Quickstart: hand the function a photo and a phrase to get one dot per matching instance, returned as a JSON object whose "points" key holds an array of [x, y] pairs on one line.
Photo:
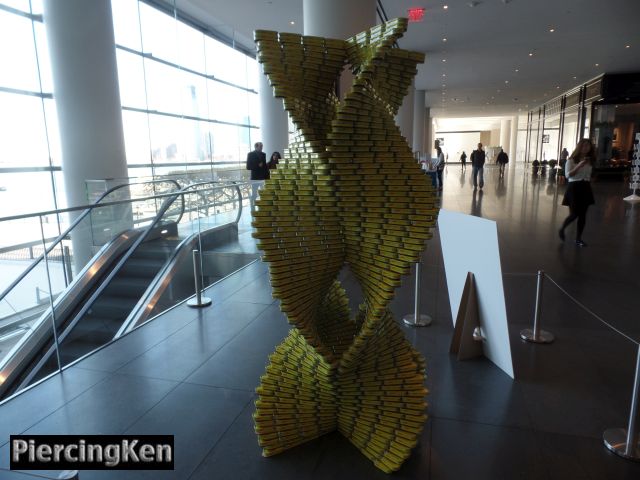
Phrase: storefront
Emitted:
{"points": [[605, 109]]}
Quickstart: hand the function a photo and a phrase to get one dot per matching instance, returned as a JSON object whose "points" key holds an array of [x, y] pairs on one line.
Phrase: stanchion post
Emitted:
{"points": [[199, 300], [537, 335], [416, 319], [626, 442]]}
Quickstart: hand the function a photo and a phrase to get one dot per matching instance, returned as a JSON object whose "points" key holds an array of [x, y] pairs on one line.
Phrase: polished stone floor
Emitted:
{"points": [[192, 373]]}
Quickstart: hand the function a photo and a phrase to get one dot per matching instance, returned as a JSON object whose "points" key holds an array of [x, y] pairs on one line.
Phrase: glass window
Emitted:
{"points": [[550, 138], [36, 6], [158, 33], [126, 23], [228, 104], [51, 117], [253, 70], [22, 132], [22, 5], [44, 61], [191, 48], [17, 196], [163, 87], [570, 130], [225, 63], [136, 137], [17, 55], [131, 80]]}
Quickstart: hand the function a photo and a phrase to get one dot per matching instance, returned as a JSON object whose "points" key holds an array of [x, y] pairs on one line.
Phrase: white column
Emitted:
{"points": [[404, 117], [274, 125], [505, 134], [338, 19], [429, 131], [419, 112], [86, 92], [513, 144]]}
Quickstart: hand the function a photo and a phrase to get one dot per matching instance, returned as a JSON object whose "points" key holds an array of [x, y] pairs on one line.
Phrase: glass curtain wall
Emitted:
{"points": [[521, 141], [189, 101], [30, 151]]}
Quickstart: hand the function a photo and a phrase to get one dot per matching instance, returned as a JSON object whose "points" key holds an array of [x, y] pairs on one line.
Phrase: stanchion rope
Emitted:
{"points": [[586, 309]]}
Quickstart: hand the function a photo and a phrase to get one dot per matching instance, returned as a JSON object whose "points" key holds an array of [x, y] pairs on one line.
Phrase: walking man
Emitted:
{"points": [[477, 166], [463, 160], [503, 159]]}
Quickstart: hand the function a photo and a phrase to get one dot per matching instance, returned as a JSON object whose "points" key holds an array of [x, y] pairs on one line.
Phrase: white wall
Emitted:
{"points": [[455, 143]]}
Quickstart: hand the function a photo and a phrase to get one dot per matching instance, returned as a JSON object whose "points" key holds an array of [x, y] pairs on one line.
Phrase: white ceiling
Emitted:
{"points": [[485, 45]]}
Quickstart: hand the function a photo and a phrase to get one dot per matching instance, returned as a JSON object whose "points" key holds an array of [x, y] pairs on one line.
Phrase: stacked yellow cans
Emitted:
{"points": [[348, 192]]}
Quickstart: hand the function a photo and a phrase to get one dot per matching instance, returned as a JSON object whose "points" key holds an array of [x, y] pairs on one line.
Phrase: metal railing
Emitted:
{"points": [[204, 192]]}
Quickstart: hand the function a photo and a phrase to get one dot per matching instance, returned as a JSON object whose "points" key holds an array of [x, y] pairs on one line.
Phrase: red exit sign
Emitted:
{"points": [[415, 14]]}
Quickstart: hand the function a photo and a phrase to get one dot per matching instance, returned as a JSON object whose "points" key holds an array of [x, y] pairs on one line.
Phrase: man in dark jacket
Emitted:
{"points": [[257, 163], [502, 160], [477, 166]]}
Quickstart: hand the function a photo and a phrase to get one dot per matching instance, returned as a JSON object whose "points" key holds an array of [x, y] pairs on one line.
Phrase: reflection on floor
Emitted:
{"points": [[192, 373]]}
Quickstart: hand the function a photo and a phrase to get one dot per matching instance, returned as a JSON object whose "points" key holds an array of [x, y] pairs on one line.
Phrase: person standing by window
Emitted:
{"points": [[578, 195], [274, 160], [477, 166], [257, 163]]}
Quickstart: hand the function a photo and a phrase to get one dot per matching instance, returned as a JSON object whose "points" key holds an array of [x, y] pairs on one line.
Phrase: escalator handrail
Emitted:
{"points": [[134, 315], [80, 217], [170, 198], [125, 257]]}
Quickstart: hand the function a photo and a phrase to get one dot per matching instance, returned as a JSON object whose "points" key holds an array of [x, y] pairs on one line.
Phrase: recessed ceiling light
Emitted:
{"points": [[552, 30], [444, 59], [575, 77], [627, 46], [292, 22], [597, 64], [444, 85], [517, 70], [444, 74], [506, 81], [445, 7], [531, 54], [558, 86], [444, 39]]}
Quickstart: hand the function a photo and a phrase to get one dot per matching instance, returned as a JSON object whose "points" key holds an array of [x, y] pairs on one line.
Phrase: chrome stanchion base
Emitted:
{"points": [[543, 336], [422, 321], [615, 439], [204, 302]]}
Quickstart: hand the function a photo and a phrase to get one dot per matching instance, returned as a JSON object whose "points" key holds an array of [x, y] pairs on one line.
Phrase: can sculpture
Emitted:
{"points": [[348, 192]]}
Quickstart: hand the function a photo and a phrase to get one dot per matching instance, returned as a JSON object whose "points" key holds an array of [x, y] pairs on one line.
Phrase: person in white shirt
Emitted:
{"points": [[578, 195]]}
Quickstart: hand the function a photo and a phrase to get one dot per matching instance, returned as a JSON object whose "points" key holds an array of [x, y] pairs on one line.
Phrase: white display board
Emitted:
{"points": [[470, 244]]}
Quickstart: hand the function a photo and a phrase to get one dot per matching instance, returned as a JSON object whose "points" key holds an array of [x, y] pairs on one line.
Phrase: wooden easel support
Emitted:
{"points": [[464, 344]]}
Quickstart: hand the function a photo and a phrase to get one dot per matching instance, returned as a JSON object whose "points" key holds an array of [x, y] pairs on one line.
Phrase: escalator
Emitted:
{"points": [[139, 268]]}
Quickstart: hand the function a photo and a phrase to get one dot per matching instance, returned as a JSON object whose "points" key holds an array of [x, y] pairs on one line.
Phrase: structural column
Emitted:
{"points": [[86, 92], [513, 144], [341, 20], [505, 134], [418, 120], [274, 125], [428, 131]]}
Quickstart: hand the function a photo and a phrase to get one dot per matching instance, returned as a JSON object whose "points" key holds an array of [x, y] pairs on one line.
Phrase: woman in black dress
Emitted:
{"points": [[579, 196]]}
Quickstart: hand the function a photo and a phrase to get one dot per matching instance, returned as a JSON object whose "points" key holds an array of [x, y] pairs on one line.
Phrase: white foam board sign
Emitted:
{"points": [[470, 244]]}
